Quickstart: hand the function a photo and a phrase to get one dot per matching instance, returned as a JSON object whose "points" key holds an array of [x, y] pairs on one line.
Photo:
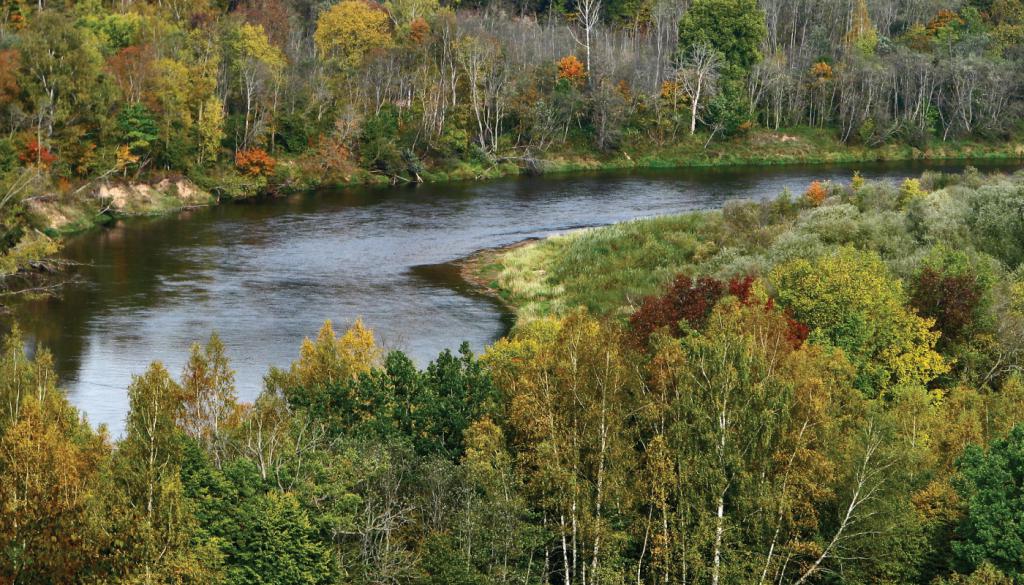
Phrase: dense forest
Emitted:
{"points": [[829, 392], [245, 95]]}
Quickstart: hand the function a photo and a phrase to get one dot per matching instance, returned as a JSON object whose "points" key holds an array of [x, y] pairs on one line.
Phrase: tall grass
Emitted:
{"points": [[607, 269]]}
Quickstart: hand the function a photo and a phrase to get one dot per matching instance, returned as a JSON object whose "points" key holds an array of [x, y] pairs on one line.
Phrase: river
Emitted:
{"points": [[265, 274]]}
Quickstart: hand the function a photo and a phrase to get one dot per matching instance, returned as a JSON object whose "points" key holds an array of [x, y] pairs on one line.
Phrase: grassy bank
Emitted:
{"points": [[61, 214], [609, 270]]}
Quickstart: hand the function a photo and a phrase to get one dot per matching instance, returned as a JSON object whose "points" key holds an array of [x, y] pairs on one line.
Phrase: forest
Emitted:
{"points": [[250, 96], [819, 388]]}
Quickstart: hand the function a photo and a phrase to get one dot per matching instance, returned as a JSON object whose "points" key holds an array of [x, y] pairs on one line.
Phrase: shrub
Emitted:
{"points": [[950, 299], [255, 162], [35, 153], [910, 190], [571, 69], [816, 193], [686, 300]]}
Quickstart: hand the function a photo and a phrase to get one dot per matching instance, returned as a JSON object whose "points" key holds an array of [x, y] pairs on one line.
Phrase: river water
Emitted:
{"points": [[266, 274]]}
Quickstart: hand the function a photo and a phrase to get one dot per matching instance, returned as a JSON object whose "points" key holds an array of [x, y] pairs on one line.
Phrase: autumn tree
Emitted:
{"points": [[257, 66], [849, 300], [349, 30], [208, 404], [568, 389], [49, 468]]}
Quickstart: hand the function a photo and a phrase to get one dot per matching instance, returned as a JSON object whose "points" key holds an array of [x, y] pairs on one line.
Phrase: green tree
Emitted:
{"points": [[991, 484], [265, 536], [735, 28], [138, 128]]}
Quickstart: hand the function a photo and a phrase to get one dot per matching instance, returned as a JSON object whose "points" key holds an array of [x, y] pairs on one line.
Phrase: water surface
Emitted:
{"points": [[265, 274]]}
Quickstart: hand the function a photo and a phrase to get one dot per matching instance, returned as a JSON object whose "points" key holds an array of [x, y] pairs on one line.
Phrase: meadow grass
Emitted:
{"points": [[608, 270]]}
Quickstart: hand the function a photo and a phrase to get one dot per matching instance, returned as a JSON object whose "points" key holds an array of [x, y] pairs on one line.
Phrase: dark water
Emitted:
{"points": [[266, 274]]}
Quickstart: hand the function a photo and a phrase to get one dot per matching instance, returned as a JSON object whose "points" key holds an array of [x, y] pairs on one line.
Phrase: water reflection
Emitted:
{"points": [[265, 274]]}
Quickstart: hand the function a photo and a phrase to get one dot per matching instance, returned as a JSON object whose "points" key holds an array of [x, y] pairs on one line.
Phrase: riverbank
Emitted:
{"points": [[59, 214], [609, 270]]}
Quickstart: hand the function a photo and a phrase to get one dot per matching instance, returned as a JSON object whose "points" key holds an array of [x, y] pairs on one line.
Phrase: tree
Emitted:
{"points": [[258, 66], [210, 130], [327, 361], [49, 469], [992, 486], [138, 128], [568, 390], [733, 28], [159, 544], [698, 75], [849, 300], [265, 536], [63, 73], [588, 17], [209, 408], [349, 30]]}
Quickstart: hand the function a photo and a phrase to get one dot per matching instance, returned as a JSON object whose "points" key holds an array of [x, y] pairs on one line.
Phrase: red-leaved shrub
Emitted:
{"points": [[255, 162]]}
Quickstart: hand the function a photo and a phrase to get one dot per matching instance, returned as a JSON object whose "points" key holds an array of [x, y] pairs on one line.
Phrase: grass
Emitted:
{"points": [[607, 269]]}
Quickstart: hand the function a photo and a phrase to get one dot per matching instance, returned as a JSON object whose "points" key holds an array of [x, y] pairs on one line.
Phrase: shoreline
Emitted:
{"points": [[720, 155], [471, 269]]}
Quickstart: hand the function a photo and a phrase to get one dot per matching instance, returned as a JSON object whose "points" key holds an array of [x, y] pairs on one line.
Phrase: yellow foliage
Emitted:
{"points": [[911, 189], [332, 359], [254, 44], [349, 30], [850, 301], [857, 182], [32, 247]]}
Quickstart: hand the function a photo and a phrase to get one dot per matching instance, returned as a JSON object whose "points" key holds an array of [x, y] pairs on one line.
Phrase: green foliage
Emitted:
{"points": [[735, 28], [138, 128], [992, 485], [379, 142], [849, 300], [265, 536]]}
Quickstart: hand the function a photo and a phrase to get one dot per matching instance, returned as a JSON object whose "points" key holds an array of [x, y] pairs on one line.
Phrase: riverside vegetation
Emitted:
{"points": [[815, 389], [248, 96]]}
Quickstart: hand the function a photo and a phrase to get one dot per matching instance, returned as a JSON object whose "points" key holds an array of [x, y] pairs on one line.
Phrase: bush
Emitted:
{"points": [[35, 153], [686, 300], [816, 193], [255, 162], [378, 143]]}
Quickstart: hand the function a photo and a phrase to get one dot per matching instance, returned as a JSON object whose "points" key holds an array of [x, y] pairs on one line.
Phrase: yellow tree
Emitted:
{"points": [[350, 29], [850, 300], [328, 360], [208, 406], [569, 389], [49, 461], [258, 66]]}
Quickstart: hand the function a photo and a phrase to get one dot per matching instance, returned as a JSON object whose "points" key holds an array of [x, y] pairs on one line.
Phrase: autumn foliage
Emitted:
{"points": [[35, 153], [255, 162], [952, 300], [686, 299], [692, 300], [821, 71], [816, 193], [571, 69], [10, 61]]}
